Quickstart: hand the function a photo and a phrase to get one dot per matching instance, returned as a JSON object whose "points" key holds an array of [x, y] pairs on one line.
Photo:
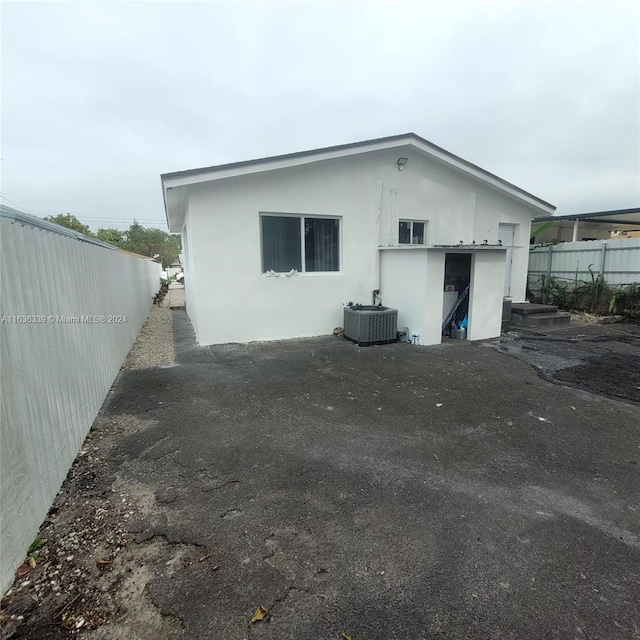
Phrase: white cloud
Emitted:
{"points": [[546, 95]]}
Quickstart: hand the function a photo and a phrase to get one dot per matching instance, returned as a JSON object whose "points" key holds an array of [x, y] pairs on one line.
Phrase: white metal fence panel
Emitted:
{"points": [[617, 260], [70, 313]]}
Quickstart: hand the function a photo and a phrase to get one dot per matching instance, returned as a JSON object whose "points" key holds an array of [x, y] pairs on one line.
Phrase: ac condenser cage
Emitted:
{"points": [[367, 325]]}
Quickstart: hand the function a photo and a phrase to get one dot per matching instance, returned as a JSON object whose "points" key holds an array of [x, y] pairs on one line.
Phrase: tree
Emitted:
{"points": [[112, 236], [71, 222], [146, 241], [152, 242]]}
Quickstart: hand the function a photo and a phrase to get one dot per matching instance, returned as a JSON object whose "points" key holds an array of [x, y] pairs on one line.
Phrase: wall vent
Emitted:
{"points": [[367, 325]]}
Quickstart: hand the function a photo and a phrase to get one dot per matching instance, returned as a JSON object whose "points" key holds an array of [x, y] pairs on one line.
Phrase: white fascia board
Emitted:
{"points": [[284, 163]]}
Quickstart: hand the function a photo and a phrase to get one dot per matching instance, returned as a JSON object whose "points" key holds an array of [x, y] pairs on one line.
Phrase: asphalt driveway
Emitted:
{"points": [[383, 492], [349, 493]]}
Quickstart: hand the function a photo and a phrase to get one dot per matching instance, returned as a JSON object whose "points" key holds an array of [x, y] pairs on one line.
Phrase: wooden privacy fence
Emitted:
{"points": [[70, 310], [618, 261]]}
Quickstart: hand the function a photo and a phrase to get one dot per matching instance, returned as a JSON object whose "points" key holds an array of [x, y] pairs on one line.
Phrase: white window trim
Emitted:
{"points": [[413, 244], [301, 216]]}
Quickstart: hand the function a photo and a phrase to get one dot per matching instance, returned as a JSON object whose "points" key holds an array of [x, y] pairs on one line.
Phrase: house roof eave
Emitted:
{"points": [[178, 179], [175, 207]]}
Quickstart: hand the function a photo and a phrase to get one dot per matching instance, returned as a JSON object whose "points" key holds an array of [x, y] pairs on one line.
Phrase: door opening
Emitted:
{"points": [[457, 281]]}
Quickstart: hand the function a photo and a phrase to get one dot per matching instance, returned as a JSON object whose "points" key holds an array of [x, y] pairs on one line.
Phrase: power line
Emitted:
{"points": [[16, 205], [95, 220], [123, 219], [88, 203], [93, 173], [130, 212]]}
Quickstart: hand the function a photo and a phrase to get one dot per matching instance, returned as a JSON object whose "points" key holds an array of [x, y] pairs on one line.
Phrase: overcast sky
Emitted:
{"points": [[545, 95]]}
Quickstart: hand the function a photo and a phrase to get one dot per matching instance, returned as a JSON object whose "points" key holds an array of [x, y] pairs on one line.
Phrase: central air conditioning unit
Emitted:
{"points": [[367, 324]]}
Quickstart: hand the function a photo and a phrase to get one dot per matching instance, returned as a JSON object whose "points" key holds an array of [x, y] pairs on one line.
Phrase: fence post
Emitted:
{"points": [[603, 254], [550, 254]]}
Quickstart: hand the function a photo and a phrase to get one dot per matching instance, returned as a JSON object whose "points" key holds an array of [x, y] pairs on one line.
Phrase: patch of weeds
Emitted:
{"points": [[36, 545], [626, 299], [555, 291], [596, 286]]}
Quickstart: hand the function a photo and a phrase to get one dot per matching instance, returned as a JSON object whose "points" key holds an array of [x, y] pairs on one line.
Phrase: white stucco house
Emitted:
{"points": [[273, 248]]}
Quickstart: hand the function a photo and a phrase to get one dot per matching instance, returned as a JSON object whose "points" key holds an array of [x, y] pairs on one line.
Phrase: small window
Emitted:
{"points": [[291, 242], [412, 232]]}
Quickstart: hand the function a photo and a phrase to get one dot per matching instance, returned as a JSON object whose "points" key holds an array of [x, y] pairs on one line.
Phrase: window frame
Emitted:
{"points": [[411, 222], [301, 217]]}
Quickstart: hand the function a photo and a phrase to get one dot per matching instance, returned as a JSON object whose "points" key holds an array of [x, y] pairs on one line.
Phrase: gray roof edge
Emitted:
{"points": [[284, 156], [355, 145], [592, 214], [13, 215]]}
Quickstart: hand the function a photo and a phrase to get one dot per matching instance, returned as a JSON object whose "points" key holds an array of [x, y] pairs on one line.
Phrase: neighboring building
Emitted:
{"points": [[619, 224], [137, 255], [273, 248]]}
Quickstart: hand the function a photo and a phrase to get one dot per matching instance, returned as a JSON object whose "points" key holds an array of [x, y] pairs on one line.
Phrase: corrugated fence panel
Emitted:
{"points": [[56, 370], [617, 260], [623, 260]]}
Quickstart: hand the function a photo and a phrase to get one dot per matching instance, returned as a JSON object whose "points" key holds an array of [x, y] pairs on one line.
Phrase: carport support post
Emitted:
{"points": [[574, 237]]}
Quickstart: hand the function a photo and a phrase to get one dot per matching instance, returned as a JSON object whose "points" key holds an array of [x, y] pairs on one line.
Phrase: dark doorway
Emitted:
{"points": [[457, 278]]}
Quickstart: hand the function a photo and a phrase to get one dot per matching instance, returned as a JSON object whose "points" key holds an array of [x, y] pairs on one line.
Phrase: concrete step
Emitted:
{"points": [[541, 319], [526, 308]]}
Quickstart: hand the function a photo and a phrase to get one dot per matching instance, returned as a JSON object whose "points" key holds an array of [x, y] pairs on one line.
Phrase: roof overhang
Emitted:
{"points": [[623, 219], [175, 206], [174, 185]]}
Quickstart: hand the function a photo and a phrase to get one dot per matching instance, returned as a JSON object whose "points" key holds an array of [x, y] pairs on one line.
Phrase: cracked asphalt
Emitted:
{"points": [[384, 492]]}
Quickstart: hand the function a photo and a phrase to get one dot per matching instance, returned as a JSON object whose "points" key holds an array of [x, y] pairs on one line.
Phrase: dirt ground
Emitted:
{"points": [[108, 559], [85, 572], [603, 359]]}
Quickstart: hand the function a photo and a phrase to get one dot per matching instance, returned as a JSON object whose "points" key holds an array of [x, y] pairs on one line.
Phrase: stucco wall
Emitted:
{"points": [[485, 297], [491, 211], [236, 302], [403, 279], [414, 279], [190, 272]]}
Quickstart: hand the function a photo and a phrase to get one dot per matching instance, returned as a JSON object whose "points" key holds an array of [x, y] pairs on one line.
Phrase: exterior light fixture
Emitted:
{"points": [[401, 162]]}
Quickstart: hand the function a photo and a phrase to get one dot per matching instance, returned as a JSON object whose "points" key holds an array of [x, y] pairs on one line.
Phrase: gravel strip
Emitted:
{"points": [[82, 572], [154, 345]]}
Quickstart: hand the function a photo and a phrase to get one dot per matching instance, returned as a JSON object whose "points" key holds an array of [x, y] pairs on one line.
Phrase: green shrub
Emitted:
{"points": [[591, 296], [626, 299], [555, 291]]}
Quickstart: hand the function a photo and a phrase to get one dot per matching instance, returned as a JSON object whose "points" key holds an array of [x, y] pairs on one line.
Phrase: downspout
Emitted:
{"points": [[392, 215], [378, 258]]}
